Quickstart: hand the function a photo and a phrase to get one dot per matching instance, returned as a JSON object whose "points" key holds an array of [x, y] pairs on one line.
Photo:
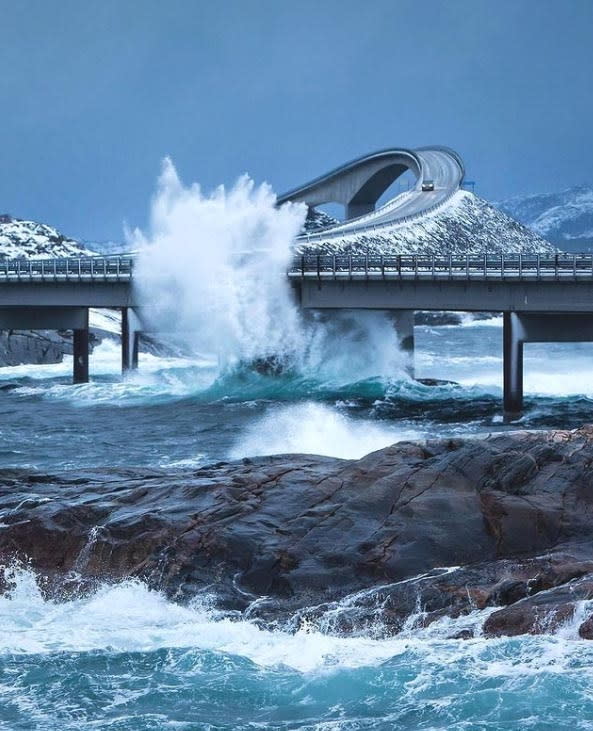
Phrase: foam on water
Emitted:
{"points": [[471, 354], [130, 617], [125, 657], [105, 360], [368, 353], [313, 428]]}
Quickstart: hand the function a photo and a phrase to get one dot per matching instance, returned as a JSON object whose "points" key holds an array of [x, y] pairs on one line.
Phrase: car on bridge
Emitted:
{"points": [[428, 185]]}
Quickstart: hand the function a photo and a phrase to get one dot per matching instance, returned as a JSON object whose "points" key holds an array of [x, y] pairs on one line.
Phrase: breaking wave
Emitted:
{"points": [[126, 657]]}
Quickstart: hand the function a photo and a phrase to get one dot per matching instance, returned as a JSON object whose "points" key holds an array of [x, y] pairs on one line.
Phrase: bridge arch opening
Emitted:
{"points": [[360, 184], [324, 214], [402, 184], [366, 198]]}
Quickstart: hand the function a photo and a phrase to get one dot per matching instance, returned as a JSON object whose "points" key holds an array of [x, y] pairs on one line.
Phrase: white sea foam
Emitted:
{"points": [[129, 617], [313, 428], [161, 377], [105, 360], [471, 355], [212, 270], [212, 267]]}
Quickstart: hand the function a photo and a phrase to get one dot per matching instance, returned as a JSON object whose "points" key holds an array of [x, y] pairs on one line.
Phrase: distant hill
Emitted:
{"points": [[30, 240], [564, 218], [106, 247]]}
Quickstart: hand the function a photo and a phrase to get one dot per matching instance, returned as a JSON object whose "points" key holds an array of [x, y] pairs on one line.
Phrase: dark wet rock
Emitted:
{"points": [[586, 629], [351, 545], [464, 634], [37, 347], [269, 366], [435, 382], [542, 613]]}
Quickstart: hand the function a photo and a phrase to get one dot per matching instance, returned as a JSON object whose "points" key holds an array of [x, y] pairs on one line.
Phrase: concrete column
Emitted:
{"points": [[129, 340], [403, 321], [80, 344], [512, 364]]}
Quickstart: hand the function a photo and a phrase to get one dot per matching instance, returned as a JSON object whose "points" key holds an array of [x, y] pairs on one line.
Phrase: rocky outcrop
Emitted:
{"points": [[38, 347], [510, 517]]}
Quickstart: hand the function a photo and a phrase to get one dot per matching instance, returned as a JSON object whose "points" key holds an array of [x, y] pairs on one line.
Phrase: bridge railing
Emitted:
{"points": [[482, 266], [96, 268], [331, 266]]}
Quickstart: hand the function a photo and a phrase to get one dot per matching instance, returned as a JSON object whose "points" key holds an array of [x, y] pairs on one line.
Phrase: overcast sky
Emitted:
{"points": [[95, 92]]}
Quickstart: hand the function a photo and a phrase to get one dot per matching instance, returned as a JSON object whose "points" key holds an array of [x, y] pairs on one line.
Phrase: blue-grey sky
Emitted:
{"points": [[95, 92]]}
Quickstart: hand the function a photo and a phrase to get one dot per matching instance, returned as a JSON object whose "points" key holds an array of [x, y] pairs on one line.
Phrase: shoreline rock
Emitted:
{"points": [[288, 537]]}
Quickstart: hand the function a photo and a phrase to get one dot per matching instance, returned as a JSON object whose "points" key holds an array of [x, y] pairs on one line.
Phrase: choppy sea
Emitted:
{"points": [[127, 658]]}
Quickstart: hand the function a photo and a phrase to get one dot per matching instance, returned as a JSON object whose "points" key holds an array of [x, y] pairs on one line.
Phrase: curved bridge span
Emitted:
{"points": [[359, 184], [543, 298]]}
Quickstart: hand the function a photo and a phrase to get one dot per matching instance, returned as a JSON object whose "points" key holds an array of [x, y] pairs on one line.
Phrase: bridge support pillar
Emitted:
{"points": [[512, 365], [129, 340], [403, 321], [80, 345]]}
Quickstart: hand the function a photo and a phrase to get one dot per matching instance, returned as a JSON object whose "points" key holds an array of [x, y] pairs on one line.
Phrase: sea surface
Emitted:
{"points": [[127, 658]]}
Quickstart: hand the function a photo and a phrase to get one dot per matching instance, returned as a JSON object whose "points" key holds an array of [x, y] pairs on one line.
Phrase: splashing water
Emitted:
{"points": [[312, 428], [126, 658], [212, 269]]}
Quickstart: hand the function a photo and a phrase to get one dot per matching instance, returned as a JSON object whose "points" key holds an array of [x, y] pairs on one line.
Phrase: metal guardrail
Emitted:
{"points": [[544, 267], [538, 267], [96, 268]]}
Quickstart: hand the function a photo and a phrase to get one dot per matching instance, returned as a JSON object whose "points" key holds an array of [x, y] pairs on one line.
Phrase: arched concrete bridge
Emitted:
{"points": [[543, 297], [359, 184]]}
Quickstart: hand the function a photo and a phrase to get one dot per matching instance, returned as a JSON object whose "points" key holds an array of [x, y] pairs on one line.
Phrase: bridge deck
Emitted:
{"points": [[543, 297]]}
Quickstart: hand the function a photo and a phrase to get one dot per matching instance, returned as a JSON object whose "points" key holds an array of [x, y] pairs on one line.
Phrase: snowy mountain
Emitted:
{"points": [[565, 218], [30, 240], [465, 224]]}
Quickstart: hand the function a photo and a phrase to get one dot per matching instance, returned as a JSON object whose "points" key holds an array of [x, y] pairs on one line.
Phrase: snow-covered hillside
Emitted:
{"points": [[30, 240], [565, 218], [466, 224]]}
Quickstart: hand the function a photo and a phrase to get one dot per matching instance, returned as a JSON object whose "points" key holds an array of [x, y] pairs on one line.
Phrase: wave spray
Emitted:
{"points": [[213, 268], [212, 271]]}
